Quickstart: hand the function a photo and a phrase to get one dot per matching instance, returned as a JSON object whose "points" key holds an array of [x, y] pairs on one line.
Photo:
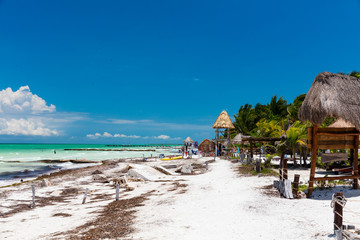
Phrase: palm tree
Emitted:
{"points": [[278, 108], [268, 128], [295, 137], [245, 120]]}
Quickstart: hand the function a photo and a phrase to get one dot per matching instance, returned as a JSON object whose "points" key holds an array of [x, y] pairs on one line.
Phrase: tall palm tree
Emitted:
{"points": [[278, 108], [245, 120], [296, 137]]}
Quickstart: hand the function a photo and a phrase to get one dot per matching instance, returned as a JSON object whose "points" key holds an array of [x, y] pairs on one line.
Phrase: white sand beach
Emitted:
{"points": [[219, 203]]}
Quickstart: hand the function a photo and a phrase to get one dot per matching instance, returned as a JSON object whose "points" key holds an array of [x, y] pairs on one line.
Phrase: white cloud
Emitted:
{"points": [[25, 127], [164, 137], [106, 134], [26, 114], [23, 101]]}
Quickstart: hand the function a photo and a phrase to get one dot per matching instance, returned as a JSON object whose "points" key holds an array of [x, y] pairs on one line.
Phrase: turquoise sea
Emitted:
{"points": [[18, 161]]}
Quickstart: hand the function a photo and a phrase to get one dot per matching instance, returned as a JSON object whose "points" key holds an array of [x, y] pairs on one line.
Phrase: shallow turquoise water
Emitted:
{"points": [[23, 160]]}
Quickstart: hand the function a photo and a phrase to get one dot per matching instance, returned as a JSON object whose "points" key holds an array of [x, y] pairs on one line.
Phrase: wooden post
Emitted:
{"points": [[33, 194], [338, 213], [296, 185], [281, 167], [251, 149], [356, 163], [285, 170], [314, 148], [84, 199], [258, 165], [117, 191]]}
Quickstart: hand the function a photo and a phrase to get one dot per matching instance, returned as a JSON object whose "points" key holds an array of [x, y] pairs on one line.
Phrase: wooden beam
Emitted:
{"points": [[336, 178], [338, 134]]}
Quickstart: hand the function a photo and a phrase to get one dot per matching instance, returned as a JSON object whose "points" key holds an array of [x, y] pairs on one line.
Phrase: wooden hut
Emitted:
{"points": [[222, 122], [207, 147], [332, 95]]}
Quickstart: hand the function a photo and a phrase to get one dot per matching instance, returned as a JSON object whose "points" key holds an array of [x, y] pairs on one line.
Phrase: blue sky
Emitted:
{"points": [[159, 71]]}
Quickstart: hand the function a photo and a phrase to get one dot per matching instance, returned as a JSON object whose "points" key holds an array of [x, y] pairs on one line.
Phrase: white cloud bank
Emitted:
{"points": [[117, 135], [21, 113], [23, 101]]}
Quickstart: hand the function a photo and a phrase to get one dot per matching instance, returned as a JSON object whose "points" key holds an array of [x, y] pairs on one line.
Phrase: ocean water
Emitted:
{"points": [[18, 161]]}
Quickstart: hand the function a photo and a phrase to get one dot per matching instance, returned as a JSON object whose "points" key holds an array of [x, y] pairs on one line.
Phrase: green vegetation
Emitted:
{"points": [[249, 170]]}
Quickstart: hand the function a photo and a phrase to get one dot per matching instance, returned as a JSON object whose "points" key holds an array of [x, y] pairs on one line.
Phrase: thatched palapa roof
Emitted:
{"points": [[188, 140], [341, 123], [332, 95], [223, 121], [240, 138]]}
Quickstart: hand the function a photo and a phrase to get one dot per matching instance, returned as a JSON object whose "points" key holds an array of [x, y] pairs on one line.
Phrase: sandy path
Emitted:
{"points": [[222, 205]]}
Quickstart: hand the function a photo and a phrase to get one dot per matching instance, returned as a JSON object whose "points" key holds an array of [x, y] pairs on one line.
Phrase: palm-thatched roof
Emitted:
{"points": [[341, 123], [188, 140], [239, 138], [223, 121], [332, 95]]}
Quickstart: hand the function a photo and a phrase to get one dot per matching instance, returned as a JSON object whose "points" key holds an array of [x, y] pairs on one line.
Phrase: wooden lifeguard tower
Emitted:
{"points": [[333, 95], [222, 124]]}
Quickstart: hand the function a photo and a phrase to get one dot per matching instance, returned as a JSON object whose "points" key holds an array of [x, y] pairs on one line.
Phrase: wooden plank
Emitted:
{"points": [[337, 130], [336, 138], [336, 178], [331, 146], [338, 134], [333, 157]]}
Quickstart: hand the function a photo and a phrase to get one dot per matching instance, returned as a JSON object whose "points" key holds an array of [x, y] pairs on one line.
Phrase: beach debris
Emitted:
{"points": [[284, 188], [45, 183], [163, 170], [186, 169], [136, 174], [100, 177], [97, 172], [128, 188], [69, 191]]}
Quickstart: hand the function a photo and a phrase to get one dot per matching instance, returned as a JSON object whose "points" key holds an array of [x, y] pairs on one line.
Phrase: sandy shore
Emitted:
{"points": [[216, 204]]}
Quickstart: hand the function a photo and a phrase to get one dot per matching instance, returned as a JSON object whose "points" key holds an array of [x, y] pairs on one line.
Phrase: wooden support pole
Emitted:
{"points": [[296, 185], [314, 149], [251, 149], [85, 194], [356, 163], [281, 167], [285, 169], [33, 194], [258, 165], [117, 191], [338, 213]]}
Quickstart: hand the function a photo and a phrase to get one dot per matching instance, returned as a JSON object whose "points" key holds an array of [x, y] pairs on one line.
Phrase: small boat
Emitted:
{"points": [[171, 158]]}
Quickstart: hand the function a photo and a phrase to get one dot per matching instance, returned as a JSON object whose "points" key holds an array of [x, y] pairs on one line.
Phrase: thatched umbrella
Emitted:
{"points": [[239, 139], [332, 95], [188, 140], [341, 123], [223, 121]]}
